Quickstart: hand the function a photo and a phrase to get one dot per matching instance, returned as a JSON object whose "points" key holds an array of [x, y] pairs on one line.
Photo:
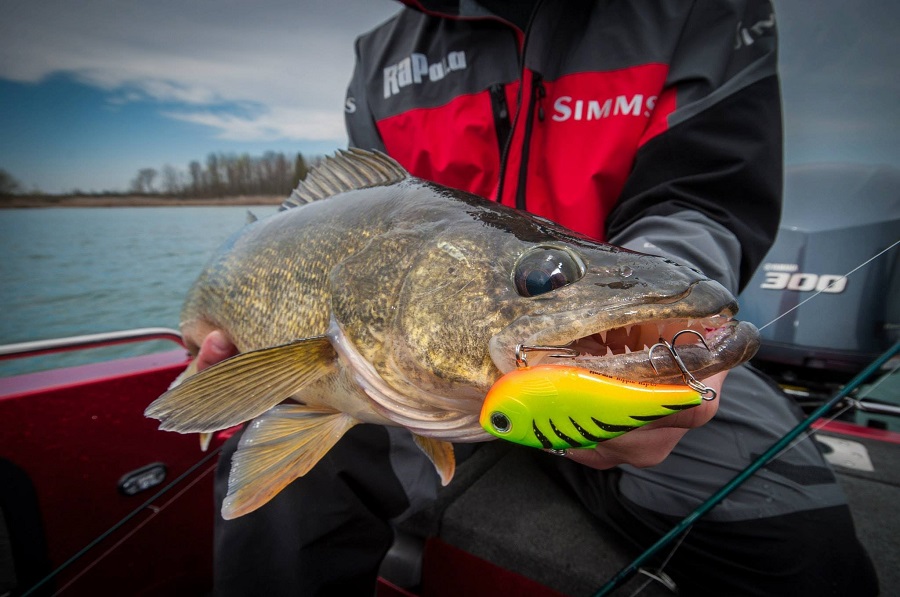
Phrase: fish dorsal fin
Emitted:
{"points": [[276, 448], [242, 387], [347, 170]]}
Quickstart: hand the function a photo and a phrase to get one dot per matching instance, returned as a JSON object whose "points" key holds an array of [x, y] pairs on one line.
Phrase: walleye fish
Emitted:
{"points": [[377, 297]]}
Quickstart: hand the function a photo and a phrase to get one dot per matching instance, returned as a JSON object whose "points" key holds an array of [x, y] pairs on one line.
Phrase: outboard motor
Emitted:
{"points": [[836, 217]]}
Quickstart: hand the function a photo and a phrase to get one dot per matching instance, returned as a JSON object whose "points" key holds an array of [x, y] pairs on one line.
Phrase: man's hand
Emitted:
{"points": [[215, 347], [651, 444]]}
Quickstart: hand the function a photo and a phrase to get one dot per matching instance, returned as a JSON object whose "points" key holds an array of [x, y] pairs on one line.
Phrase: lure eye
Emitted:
{"points": [[545, 269], [500, 422]]}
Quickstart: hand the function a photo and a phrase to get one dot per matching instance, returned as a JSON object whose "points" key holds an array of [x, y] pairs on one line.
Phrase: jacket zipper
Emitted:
{"points": [[537, 86], [536, 104], [500, 108]]}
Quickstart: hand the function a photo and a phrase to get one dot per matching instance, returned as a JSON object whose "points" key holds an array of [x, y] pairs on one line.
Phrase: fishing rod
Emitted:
{"points": [[628, 571], [783, 444]]}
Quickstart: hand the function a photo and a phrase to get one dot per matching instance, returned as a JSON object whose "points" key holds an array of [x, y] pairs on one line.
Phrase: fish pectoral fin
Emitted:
{"points": [[440, 454], [191, 370], [276, 448], [242, 387]]}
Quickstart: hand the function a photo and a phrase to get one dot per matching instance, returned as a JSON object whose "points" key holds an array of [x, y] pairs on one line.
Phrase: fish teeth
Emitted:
{"points": [[609, 352], [714, 322], [627, 350], [603, 336], [628, 330]]}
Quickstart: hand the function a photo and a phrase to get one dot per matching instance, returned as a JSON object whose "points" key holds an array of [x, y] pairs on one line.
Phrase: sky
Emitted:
{"points": [[94, 90]]}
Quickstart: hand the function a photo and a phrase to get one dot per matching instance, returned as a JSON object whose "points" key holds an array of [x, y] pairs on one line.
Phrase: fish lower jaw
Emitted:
{"points": [[625, 351], [640, 337]]}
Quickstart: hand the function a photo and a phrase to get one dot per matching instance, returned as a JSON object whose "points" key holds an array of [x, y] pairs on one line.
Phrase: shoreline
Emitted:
{"points": [[24, 202]]}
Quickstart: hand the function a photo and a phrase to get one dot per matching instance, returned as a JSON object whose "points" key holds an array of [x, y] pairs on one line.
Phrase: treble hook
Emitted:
{"points": [[522, 350], [706, 392]]}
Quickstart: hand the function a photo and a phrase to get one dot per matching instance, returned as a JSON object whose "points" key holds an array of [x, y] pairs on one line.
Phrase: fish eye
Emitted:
{"points": [[500, 422], [544, 269]]}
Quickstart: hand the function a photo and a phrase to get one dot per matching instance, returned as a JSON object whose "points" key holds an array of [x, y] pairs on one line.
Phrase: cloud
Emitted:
{"points": [[289, 60], [156, 90], [269, 125]]}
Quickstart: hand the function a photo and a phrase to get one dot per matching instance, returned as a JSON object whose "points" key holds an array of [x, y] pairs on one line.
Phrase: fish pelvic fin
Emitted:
{"points": [[276, 448], [440, 454], [205, 439], [242, 387], [347, 170]]}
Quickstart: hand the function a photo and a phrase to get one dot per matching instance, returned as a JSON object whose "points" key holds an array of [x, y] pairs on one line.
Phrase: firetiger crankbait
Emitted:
{"points": [[558, 407]]}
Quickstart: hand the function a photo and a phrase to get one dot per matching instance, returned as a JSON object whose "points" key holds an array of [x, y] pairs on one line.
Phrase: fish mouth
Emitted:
{"points": [[623, 349]]}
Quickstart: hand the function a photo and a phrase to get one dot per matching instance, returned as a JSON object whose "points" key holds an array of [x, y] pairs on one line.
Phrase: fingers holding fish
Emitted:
{"points": [[215, 347]]}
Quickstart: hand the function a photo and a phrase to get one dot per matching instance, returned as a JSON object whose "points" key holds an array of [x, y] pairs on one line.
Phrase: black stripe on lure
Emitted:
{"points": [[557, 407]]}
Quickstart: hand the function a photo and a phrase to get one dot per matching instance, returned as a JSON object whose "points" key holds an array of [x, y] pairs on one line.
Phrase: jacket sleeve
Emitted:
{"points": [[707, 190], [360, 122]]}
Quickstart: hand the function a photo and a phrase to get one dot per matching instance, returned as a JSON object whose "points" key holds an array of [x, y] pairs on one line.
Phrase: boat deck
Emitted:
{"points": [[873, 493]]}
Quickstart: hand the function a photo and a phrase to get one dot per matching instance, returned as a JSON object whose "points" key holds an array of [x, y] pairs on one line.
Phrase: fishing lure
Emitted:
{"points": [[557, 407]]}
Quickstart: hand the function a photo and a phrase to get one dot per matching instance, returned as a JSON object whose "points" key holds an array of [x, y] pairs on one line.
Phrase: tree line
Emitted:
{"points": [[8, 184], [221, 175], [225, 175]]}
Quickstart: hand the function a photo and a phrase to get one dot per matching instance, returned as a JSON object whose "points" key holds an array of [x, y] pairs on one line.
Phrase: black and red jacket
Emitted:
{"points": [[598, 115]]}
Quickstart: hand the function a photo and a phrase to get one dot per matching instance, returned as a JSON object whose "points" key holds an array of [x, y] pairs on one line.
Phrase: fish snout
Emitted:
{"points": [[680, 282]]}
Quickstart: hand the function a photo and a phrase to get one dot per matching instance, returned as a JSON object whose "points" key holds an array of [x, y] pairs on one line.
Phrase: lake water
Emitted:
{"points": [[70, 271]]}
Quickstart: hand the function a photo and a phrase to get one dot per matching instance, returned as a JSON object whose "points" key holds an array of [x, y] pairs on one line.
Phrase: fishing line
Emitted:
{"points": [[806, 435], [741, 477], [848, 406], [869, 390], [809, 298], [146, 505], [783, 445], [665, 581]]}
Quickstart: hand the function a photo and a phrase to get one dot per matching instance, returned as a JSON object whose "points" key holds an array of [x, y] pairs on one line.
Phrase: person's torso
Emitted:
{"points": [[558, 113]]}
